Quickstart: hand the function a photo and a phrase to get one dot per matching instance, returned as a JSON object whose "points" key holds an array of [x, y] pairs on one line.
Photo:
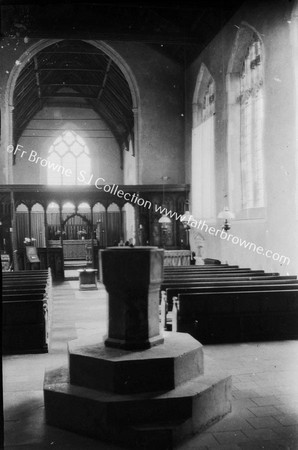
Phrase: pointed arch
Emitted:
{"points": [[29, 54], [245, 94]]}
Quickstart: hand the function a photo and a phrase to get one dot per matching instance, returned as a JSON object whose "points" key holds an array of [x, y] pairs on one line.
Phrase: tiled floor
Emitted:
{"points": [[265, 386]]}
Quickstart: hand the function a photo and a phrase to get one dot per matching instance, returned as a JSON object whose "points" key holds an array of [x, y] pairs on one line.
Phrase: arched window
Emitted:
{"points": [[68, 156], [245, 92], [203, 139], [251, 126]]}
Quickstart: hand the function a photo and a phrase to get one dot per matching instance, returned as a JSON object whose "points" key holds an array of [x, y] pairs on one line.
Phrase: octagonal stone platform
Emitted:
{"points": [[93, 365], [154, 398]]}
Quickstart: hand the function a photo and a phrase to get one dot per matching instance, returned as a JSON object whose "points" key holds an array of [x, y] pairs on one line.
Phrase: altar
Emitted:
{"points": [[177, 257], [74, 249]]}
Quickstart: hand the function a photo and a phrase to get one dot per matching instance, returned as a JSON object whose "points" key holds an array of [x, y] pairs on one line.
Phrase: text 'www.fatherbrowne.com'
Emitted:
{"points": [[203, 226]]}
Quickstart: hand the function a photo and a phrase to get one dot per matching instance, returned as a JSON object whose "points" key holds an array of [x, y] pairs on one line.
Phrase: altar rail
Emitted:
{"points": [[177, 257]]}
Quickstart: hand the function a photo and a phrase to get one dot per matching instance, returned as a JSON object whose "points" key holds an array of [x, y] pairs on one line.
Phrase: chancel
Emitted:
{"points": [[148, 224]]}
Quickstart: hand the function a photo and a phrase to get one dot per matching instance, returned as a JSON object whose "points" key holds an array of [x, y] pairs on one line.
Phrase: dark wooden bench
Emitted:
{"points": [[16, 276], [198, 268], [26, 306], [28, 279], [238, 316], [27, 288], [170, 293], [195, 282], [19, 296], [24, 278], [24, 274], [191, 271], [188, 276]]}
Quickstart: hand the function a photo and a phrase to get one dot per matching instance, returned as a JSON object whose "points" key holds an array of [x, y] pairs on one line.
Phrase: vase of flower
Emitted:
{"points": [[82, 233], [29, 242], [58, 233]]}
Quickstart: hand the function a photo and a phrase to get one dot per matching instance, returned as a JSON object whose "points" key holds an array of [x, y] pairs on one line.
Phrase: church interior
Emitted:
{"points": [[141, 130]]}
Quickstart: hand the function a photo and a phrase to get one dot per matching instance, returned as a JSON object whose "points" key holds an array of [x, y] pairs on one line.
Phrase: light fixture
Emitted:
{"points": [[164, 219], [227, 215]]}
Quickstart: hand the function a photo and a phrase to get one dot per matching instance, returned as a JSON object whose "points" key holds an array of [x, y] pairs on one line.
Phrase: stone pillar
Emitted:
{"points": [[132, 278]]}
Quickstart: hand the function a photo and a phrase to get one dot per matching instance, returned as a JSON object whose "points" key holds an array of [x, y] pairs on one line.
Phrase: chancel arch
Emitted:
{"points": [[113, 95]]}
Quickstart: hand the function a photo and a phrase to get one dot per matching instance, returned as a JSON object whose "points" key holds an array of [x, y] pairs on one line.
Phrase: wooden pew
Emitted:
{"points": [[198, 268], [234, 282], [238, 316], [195, 282], [15, 276], [195, 271], [167, 296], [26, 308], [189, 276], [24, 281], [24, 274], [23, 288], [28, 278], [172, 292]]}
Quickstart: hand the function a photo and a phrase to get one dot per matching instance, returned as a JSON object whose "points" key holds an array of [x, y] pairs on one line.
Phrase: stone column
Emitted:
{"points": [[132, 278]]}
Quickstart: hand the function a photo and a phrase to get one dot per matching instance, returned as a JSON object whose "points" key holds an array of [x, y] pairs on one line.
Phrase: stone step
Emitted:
{"points": [[187, 409], [154, 435], [163, 367]]}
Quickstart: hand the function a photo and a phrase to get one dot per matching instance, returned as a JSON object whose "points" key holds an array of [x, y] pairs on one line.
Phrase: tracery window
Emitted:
{"points": [[69, 155], [251, 126]]}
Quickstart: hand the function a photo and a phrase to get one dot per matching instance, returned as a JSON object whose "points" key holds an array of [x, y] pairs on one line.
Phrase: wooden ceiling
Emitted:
{"points": [[69, 72], [73, 70]]}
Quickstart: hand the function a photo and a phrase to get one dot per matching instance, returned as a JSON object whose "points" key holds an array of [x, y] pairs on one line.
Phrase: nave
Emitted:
{"points": [[264, 379]]}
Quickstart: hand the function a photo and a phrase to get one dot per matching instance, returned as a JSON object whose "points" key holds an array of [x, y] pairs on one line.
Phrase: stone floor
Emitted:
{"points": [[265, 386]]}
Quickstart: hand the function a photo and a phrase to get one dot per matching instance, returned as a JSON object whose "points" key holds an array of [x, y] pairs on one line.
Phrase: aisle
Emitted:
{"points": [[76, 313]]}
